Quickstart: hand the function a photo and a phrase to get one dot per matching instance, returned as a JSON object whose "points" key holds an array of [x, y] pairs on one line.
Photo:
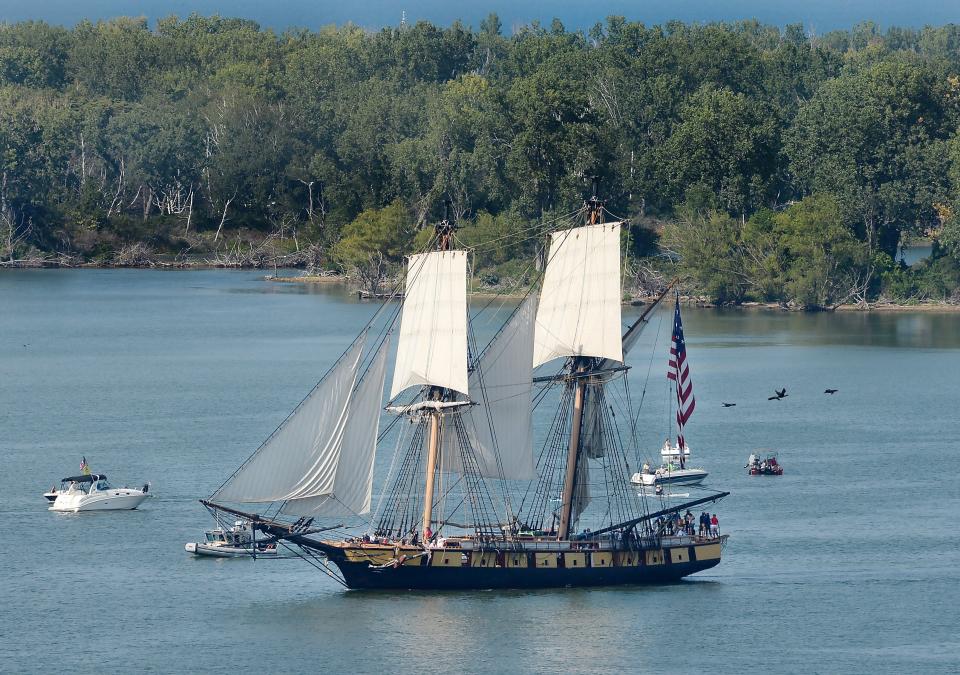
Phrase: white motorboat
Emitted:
{"points": [[672, 471], [236, 542], [92, 492], [51, 494], [675, 466]]}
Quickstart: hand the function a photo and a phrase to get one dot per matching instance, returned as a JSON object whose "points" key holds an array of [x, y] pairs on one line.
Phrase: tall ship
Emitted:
{"points": [[470, 501]]}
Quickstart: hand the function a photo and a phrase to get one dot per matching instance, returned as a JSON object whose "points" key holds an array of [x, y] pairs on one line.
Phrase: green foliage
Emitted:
{"points": [[710, 252], [199, 130], [823, 260], [724, 144], [873, 137], [385, 232], [495, 239], [804, 254]]}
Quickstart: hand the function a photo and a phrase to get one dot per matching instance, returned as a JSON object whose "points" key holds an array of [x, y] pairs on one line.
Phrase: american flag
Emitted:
{"points": [[680, 373]]}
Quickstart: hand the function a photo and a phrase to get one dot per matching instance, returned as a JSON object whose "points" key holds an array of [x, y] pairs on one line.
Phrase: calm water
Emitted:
{"points": [[849, 562]]}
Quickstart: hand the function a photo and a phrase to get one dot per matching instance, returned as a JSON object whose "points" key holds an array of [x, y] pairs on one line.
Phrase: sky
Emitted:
{"points": [[818, 16]]}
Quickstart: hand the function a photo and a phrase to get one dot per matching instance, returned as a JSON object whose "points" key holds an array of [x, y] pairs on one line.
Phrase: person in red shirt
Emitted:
{"points": [[714, 526]]}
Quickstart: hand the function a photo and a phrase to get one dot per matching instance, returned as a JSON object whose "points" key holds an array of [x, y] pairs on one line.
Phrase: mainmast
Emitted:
{"points": [[579, 369], [444, 232], [433, 446]]}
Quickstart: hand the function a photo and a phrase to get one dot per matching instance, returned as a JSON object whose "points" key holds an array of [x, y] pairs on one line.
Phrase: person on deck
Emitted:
{"points": [[714, 526]]}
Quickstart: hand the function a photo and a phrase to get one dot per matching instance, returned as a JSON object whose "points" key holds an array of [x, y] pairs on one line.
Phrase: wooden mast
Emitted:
{"points": [[444, 232], [579, 369], [433, 445], [573, 456]]}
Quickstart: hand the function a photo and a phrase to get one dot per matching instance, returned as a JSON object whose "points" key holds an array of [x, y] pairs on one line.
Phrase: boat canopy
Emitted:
{"points": [[88, 478]]}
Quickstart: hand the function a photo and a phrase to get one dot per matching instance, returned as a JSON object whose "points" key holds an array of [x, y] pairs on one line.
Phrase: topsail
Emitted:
{"points": [[579, 313], [432, 348]]}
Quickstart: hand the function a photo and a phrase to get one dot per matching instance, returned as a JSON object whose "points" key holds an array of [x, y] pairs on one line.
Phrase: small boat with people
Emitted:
{"points": [[766, 466], [92, 492], [237, 542], [672, 471]]}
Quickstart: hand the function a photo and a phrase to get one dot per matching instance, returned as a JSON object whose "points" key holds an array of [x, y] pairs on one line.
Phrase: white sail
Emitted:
{"points": [[300, 459], [579, 313], [499, 428], [432, 347], [353, 481]]}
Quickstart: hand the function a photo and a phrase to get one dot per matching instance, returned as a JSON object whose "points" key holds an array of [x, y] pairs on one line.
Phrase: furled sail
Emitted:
{"points": [[300, 458], [499, 427], [631, 336], [592, 439], [581, 492], [353, 479], [432, 348], [579, 312]]}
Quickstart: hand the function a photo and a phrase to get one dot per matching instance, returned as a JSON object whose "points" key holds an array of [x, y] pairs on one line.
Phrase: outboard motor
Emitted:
{"points": [[146, 488]]}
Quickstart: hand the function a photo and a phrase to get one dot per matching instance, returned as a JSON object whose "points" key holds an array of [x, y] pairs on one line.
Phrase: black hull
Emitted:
{"points": [[361, 575], [659, 566]]}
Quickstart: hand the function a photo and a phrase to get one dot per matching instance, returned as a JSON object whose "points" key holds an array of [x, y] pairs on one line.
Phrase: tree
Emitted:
{"points": [[726, 143], [866, 137], [374, 242], [824, 264], [708, 248]]}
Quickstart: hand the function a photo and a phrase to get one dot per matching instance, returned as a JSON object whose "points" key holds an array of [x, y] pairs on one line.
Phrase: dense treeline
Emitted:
{"points": [[763, 163]]}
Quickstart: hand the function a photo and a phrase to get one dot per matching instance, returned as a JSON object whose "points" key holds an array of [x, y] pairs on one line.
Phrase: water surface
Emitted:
{"points": [[846, 563]]}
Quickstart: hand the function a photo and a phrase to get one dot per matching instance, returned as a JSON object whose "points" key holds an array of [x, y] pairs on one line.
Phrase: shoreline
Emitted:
{"points": [[640, 301], [881, 307]]}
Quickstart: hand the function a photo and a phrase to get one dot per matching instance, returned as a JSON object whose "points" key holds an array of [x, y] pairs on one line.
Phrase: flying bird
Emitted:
{"points": [[727, 405], [778, 394], [830, 391]]}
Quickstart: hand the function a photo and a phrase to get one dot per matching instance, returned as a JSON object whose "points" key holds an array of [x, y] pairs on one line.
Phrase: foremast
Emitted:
{"points": [[444, 237], [579, 370]]}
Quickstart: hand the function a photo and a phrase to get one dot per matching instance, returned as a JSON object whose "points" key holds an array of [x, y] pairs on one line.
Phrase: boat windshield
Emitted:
{"points": [[103, 485]]}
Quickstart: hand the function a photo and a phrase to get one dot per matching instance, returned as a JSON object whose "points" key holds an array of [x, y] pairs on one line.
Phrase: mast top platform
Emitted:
{"points": [[445, 229]]}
